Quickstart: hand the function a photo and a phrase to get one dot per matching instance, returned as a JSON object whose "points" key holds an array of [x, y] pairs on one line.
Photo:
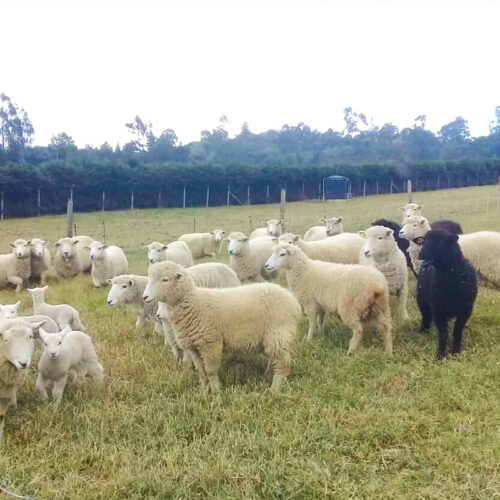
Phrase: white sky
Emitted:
{"points": [[86, 68]]}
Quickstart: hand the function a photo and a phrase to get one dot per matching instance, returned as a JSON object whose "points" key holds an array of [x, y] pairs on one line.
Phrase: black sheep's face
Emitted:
{"points": [[439, 246]]}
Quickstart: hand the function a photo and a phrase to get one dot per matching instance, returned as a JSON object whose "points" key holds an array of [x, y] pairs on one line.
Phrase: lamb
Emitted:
{"points": [[343, 248], [332, 227], [447, 288], [71, 256], [412, 209], [15, 268], [177, 251], [62, 314], [63, 352], [273, 227], [107, 261], [16, 351], [40, 260], [260, 317], [358, 294], [162, 316], [247, 257], [204, 244], [382, 253], [9, 311], [481, 248]]}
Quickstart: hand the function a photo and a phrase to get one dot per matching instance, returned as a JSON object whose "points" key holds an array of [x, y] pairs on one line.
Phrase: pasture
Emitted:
{"points": [[361, 427]]}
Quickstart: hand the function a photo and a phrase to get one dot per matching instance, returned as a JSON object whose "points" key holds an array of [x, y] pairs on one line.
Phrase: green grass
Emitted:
{"points": [[360, 427]]}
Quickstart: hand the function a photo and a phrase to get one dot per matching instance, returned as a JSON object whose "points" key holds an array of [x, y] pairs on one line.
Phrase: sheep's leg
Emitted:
{"points": [[442, 326], [169, 339], [43, 277], [312, 315], [41, 388], [357, 335], [426, 312], [16, 280], [383, 326], [187, 362], [457, 333], [321, 322], [140, 321], [402, 300], [198, 364], [77, 323], [281, 370], [94, 370], [58, 389], [211, 362]]}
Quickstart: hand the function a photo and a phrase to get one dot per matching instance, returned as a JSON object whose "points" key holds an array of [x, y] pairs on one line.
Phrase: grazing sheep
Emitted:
{"points": [[247, 257], [381, 252], [204, 244], [71, 256], [481, 248], [107, 261], [358, 294], [177, 251], [16, 351], [63, 352], [332, 227], [273, 227], [343, 248], [447, 288], [255, 318], [62, 314], [40, 260]]}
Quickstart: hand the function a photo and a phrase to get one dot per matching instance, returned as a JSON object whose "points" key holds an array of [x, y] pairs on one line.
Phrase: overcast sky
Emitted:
{"points": [[86, 68]]}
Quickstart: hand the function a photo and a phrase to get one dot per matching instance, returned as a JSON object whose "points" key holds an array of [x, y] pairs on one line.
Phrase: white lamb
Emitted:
{"points": [[255, 318], [358, 294], [71, 256], [343, 248], [332, 227], [62, 314], [107, 261], [177, 251], [381, 252], [204, 244], [15, 267], [9, 311], [247, 257], [273, 227], [482, 248], [40, 260], [63, 352]]}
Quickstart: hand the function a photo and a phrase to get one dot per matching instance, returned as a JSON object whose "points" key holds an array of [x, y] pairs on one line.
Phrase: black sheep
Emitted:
{"points": [[447, 287], [447, 225]]}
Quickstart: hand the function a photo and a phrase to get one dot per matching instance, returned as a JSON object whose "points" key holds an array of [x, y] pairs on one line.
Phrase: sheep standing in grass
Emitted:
{"points": [[62, 314], [107, 261], [16, 351], [255, 318], [447, 288], [381, 252], [40, 260], [358, 294], [72, 258], [22, 250], [204, 244], [63, 352], [15, 270], [9, 311], [273, 227], [177, 251], [332, 227], [247, 257]]}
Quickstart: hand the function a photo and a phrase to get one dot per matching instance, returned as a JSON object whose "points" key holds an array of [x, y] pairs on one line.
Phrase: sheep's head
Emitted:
{"points": [[281, 258], [17, 341], [289, 238], [37, 247], [52, 342], [410, 210], [167, 282], [162, 312], [67, 247], [97, 250], [274, 226], [440, 247], [238, 244], [38, 292], [380, 242], [414, 227], [9, 311], [219, 234], [122, 290], [21, 249], [156, 252], [333, 226]]}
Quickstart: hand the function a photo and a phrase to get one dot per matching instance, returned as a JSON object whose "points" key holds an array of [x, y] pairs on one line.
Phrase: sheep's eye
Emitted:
{"points": [[6, 340], [282, 254], [380, 238], [31, 336], [59, 343], [124, 286], [45, 344], [165, 280]]}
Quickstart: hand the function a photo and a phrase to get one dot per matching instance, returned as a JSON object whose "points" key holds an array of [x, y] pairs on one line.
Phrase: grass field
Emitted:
{"points": [[360, 427]]}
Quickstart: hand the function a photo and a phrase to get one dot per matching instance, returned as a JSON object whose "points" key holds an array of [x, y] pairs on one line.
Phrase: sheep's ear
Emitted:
{"points": [[57, 244], [179, 276], [41, 334], [104, 247], [75, 242], [281, 221], [45, 242], [44, 288], [402, 209], [363, 234], [297, 237], [389, 232], [322, 220], [36, 327], [12, 245], [340, 219], [67, 329], [16, 305], [422, 222], [164, 247], [131, 282], [419, 207], [211, 232], [28, 243]]}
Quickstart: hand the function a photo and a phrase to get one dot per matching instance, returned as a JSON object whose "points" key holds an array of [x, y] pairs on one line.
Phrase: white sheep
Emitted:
{"points": [[358, 294], [482, 248], [410, 210], [273, 227], [204, 244], [332, 227], [255, 318], [71, 256], [40, 260], [15, 267], [177, 251], [64, 352], [247, 257], [343, 248], [16, 351], [62, 314], [107, 261], [9, 311], [381, 252], [168, 331]]}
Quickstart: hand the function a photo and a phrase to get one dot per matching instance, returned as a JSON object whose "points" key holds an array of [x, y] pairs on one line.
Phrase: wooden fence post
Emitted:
{"points": [[267, 194], [437, 187], [377, 186], [283, 203], [409, 188], [184, 197], [323, 190], [132, 200], [159, 198], [391, 185], [1, 207], [69, 217], [39, 203], [248, 194], [228, 193], [103, 201], [364, 187], [208, 196]]}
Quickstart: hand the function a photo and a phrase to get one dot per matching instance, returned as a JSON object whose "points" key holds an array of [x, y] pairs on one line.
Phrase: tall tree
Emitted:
{"points": [[353, 120], [62, 145], [143, 132], [495, 124], [455, 132]]}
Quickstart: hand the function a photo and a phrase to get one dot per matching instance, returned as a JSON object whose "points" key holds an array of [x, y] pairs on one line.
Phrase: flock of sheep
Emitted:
{"points": [[202, 310]]}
